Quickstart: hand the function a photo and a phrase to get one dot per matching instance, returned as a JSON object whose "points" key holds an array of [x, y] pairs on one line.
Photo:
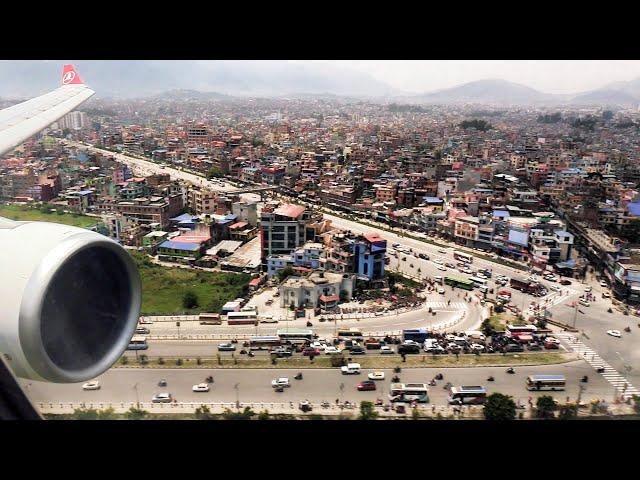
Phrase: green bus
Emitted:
{"points": [[459, 282]]}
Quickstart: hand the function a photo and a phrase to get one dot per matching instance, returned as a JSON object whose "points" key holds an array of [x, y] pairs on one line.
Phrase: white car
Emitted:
{"points": [[440, 250], [606, 295], [331, 350], [441, 291], [280, 382], [588, 288], [476, 347], [614, 333], [386, 350], [92, 385], [201, 387], [162, 398], [442, 267], [438, 261], [145, 321], [603, 284], [376, 376]]}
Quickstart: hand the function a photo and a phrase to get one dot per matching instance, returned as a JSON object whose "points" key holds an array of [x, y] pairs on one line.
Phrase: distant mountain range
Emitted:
{"points": [[503, 93], [221, 80]]}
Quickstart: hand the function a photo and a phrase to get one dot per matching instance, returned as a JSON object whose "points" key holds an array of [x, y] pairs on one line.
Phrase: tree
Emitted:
{"points": [[285, 272], [344, 296], [499, 407], [545, 407], [190, 299], [136, 414], [46, 208], [636, 403], [487, 327], [246, 414], [367, 411], [107, 414], [85, 414], [568, 412], [214, 172], [264, 415]]}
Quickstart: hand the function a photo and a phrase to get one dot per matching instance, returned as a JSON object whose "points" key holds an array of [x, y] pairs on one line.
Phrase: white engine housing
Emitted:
{"points": [[69, 301]]}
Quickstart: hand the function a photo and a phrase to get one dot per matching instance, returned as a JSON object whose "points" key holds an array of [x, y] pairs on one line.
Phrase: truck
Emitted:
{"points": [[372, 344], [523, 285], [416, 334]]}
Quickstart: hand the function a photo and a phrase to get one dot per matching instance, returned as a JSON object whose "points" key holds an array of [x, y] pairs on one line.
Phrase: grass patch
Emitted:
{"points": [[378, 361], [163, 288], [25, 213]]}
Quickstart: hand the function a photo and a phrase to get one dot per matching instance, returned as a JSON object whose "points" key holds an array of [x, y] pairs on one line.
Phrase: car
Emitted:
{"points": [[386, 350], [442, 268], [226, 347], [376, 376], [201, 387], [268, 319], [307, 352], [357, 350], [350, 369], [513, 347], [162, 398], [438, 261], [92, 385], [441, 291], [588, 288], [468, 271], [603, 284], [280, 382], [285, 352], [606, 295], [551, 343], [534, 346], [565, 282], [555, 288], [162, 383], [423, 256], [319, 345], [584, 303], [476, 347], [441, 250], [366, 385], [436, 349], [145, 321], [331, 350], [142, 331], [449, 265], [614, 333]]}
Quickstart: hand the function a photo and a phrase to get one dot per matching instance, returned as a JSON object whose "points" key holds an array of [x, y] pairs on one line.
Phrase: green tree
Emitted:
{"points": [[190, 299], [285, 272], [636, 403], [59, 211], [264, 415], [203, 413], [545, 406], [415, 414], [246, 414], [124, 360], [499, 407], [46, 208], [344, 296], [107, 414], [136, 414], [367, 411], [214, 172]]}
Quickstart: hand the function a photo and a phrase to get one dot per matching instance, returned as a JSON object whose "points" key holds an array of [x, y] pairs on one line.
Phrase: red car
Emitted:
{"points": [[366, 386], [311, 351]]}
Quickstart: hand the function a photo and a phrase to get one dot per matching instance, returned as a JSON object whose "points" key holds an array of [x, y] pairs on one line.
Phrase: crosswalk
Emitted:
{"points": [[445, 306], [610, 374]]}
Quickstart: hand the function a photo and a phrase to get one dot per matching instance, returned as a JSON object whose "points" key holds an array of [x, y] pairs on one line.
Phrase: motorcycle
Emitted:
{"points": [[298, 376], [395, 379], [251, 354], [584, 379], [432, 383], [439, 376], [325, 404], [209, 379], [627, 329], [490, 379], [511, 370], [447, 385]]}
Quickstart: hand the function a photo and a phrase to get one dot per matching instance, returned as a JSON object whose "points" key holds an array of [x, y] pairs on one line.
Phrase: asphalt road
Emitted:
{"points": [[118, 385]]}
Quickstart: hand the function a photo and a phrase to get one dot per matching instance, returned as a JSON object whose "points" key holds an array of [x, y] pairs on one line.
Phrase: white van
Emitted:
{"points": [[351, 369], [438, 279], [475, 335], [584, 303]]}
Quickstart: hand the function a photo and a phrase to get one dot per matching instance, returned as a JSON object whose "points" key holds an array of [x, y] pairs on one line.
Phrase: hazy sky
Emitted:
{"points": [[550, 76]]}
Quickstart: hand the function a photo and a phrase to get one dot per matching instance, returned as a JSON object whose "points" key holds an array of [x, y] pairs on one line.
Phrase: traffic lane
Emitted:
{"points": [[120, 385]]}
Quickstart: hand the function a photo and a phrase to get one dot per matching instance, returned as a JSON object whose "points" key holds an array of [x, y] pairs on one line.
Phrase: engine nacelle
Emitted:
{"points": [[69, 301]]}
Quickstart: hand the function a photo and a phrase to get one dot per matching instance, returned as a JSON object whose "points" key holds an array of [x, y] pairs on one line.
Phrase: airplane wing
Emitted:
{"points": [[22, 121]]}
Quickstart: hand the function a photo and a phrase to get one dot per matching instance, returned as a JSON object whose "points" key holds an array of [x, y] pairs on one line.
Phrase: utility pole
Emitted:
{"points": [[235, 387], [575, 315], [137, 396]]}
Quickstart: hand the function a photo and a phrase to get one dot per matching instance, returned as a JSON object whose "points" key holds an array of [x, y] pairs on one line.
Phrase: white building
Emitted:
{"points": [[319, 289]]}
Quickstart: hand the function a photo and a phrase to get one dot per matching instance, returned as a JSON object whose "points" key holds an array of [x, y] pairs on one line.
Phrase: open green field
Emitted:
{"points": [[366, 361], [164, 287], [23, 213]]}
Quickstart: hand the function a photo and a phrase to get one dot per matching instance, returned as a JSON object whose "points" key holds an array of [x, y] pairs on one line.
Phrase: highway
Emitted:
{"points": [[119, 385], [145, 167]]}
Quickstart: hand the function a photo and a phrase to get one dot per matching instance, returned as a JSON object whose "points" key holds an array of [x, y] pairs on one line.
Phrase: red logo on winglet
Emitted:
{"points": [[70, 75]]}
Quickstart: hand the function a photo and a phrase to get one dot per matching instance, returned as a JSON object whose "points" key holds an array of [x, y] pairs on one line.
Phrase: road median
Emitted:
{"points": [[379, 362]]}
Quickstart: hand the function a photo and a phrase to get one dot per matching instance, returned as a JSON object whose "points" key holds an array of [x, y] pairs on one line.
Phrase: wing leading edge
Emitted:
{"points": [[20, 122]]}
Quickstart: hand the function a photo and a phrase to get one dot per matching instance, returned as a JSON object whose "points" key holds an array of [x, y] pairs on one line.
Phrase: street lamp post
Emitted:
{"points": [[135, 387], [235, 387]]}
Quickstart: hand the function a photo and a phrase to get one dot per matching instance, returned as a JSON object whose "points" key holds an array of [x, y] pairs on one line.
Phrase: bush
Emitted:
{"points": [[545, 407], [367, 411], [203, 413], [198, 361], [160, 361], [264, 415], [85, 414], [179, 362], [568, 412], [124, 360], [135, 414], [144, 360], [499, 407], [190, 299]]}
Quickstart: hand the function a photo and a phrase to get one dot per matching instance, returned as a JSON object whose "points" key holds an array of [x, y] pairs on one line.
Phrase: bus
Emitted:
{"points": [[351, 334], [517, 331], [210, 319], [546, 382], [463, 257], [465, 395], [242, 318], [292, 334], [138, 342], [459, 282], [408, 392], [416, 334], [264, 342], [478, 282]]}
